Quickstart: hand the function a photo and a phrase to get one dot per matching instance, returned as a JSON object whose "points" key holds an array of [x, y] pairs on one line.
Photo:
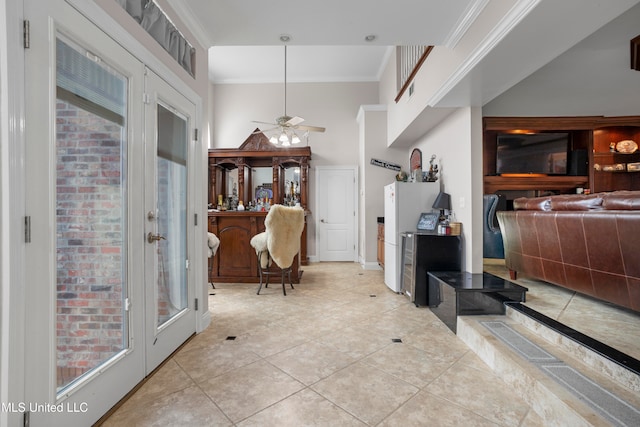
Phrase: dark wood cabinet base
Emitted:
{"points": [[236, 260]]}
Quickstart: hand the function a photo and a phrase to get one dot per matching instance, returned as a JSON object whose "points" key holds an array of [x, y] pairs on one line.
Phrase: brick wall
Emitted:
{"points": [[91, 237]]}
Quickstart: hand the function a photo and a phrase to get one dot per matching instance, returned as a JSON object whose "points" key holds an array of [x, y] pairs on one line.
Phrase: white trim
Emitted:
{"points": [[369, 265], [507, 23], [469, 17], [355, 207], [12, 202], [369, 107]]}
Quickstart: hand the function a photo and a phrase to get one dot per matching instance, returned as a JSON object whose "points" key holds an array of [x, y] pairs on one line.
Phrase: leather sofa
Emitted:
{"points": [[586, 243]]}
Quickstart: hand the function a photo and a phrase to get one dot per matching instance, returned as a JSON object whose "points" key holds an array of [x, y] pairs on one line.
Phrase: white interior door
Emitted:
{"points": [[169, 236], [83, 125], [336, 217]]}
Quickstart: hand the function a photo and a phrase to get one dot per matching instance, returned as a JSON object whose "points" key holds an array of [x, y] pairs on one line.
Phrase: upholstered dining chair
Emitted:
{"points": [[212, 242], [279, 243]]}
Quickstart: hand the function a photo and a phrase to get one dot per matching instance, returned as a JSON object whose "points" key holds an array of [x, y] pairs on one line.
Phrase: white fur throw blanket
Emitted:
{"points": [[281, 238], [259, 243], [213, 242], [284, 225]]}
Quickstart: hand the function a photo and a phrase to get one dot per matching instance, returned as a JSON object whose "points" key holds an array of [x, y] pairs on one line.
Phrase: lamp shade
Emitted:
{"points": [[443, 201]]}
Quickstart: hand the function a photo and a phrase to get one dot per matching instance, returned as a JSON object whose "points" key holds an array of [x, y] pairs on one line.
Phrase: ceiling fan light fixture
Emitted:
{"points": [[285, 126], [284, 138]]}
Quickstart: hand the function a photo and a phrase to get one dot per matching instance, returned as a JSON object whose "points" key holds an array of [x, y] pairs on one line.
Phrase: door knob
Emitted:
{"points": [[322, 220], [154, 237]]}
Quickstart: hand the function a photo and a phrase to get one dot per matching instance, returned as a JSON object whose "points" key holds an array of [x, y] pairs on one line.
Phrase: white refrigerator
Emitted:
{"points": [[403, 204]]}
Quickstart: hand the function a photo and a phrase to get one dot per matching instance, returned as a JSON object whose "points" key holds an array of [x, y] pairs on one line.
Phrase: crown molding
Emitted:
{"points": [[510, 21]]}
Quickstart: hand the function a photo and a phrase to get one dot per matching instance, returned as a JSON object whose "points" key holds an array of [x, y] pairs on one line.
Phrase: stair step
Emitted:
{"points": [[564, 382]]}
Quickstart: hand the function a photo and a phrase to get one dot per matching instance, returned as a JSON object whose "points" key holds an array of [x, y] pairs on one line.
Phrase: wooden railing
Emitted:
{"points": [[409, 59]]}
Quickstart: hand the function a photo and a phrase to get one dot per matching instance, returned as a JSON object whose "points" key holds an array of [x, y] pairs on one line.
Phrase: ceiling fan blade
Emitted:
{"points": [[294, 121], [264, 123], [311, 128], [265, 130]]}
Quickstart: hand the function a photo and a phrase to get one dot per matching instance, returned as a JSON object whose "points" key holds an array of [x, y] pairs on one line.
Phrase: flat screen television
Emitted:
{"points": [[535, 153]]}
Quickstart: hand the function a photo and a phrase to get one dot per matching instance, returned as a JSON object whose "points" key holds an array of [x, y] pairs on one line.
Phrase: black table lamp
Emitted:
{"points": [[443, 201]]}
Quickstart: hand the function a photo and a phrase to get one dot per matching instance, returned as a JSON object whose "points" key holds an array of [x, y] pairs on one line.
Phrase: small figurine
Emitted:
{"points": [[432, 175]]}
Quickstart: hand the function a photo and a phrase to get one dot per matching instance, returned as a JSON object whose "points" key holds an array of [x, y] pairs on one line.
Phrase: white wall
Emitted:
{"points": [[330, 105], [373, 145], [442, 62], [457, 144], [592, 78]]}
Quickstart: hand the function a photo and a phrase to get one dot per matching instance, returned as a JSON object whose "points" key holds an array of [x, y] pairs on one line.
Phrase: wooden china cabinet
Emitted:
{"points": [[256, 171]]}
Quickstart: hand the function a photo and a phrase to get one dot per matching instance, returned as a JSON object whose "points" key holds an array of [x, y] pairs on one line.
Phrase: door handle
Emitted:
{"points": [[154, 237]]}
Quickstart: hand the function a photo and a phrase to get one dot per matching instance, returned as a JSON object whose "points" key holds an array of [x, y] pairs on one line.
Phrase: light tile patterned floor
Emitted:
{"points": [[323, 356], [605, 322]]}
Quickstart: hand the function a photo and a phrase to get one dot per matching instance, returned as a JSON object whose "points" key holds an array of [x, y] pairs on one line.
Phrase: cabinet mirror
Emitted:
{"points": [[292, 185], [258, 170], [261, 178], [232, 182]]}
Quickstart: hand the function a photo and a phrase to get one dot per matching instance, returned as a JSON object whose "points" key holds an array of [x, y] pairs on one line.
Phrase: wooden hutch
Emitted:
{"points": [[244, 171], [606, 169]]}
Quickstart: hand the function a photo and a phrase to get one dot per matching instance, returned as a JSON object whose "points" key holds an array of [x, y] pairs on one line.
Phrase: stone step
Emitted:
{"points": [[564, 382]]}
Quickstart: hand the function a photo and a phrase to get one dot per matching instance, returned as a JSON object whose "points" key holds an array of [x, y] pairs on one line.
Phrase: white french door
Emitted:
{"points": [[109, 292], [169, 290]]}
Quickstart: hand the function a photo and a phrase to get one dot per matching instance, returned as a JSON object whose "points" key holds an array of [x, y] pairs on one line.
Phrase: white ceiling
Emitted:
{"points": [[327, 45], [327, 37], [265, 64]]}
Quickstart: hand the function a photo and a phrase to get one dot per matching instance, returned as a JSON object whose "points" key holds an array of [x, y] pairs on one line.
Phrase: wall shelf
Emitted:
{"points": [[541, 183]]}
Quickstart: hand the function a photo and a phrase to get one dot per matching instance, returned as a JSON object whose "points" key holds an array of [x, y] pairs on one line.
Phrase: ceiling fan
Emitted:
{"points": [[286, 127]]}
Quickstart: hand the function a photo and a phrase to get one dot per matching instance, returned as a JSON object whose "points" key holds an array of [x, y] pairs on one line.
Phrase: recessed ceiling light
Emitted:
{"points": [[369, 38], [285, 38]]}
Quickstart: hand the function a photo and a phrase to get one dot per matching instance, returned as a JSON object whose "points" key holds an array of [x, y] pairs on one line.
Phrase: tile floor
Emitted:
{"points": [[608, 323], [324, 355]]}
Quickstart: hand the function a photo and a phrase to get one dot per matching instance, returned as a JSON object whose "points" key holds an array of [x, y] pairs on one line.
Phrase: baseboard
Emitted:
{"points": [[370, 265], [205, 321]]}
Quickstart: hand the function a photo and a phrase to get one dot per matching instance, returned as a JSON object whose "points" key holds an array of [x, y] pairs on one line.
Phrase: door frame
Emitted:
{"points": [[12, 356], [117, 32], [13, 211], [124, 370], [356, 204], [163, 339]]}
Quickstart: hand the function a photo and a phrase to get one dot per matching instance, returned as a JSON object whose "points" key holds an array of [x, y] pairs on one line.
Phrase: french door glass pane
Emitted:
{"points": [[91, 212], [172, 214]]}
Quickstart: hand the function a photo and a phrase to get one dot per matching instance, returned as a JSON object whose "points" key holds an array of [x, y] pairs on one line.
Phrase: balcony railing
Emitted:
{"points": [[408, 60]]}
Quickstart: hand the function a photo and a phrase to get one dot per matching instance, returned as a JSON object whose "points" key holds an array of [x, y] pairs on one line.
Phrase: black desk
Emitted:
{"points": [[459, 293]]}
